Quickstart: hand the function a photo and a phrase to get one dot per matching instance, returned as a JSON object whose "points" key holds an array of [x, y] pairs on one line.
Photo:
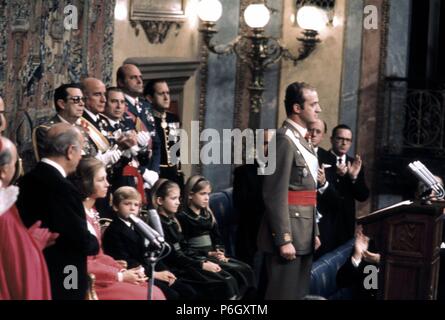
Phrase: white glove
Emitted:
{"points": [[109, 157], [150, 178], [143, 139]]}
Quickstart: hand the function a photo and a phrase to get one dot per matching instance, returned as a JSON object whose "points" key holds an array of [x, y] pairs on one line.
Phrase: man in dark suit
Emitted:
{"points": [[46, 195], [327, 198], [129, 79], [289, 233], [348, 179]]}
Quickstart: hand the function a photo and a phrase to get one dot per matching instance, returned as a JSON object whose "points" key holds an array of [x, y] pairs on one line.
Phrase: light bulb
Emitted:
{"points": [[256, 15], [209, 10], [312, 18], [120, 10]]}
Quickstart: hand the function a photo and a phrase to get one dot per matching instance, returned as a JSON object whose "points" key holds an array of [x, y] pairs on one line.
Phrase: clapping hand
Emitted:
{"points": [[42, 236], [354, 168], [321, 176]]}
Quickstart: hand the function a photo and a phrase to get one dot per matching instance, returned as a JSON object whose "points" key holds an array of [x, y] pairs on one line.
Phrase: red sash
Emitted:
{"points": [[130, 171], [302, 198]]}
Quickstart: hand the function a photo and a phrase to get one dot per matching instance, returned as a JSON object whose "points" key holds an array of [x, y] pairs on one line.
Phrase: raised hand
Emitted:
{"points": [[355, 167], [321, 176]]}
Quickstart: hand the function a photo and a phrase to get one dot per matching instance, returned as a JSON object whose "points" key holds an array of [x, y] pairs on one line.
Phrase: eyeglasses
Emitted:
{"points": [[77, 99], [344, 140]]}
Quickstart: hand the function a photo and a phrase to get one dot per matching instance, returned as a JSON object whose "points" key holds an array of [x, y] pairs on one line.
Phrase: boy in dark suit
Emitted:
{"points": [[123, 242]]}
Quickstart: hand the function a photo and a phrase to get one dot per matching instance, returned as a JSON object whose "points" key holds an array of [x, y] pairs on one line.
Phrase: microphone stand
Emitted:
{"points": [[152, 257]]}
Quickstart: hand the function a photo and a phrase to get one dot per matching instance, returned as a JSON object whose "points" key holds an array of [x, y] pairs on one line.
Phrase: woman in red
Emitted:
{"points": [[113, 280]]}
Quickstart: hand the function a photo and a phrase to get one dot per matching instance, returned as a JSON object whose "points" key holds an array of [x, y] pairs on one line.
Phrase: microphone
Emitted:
{"points": [[151, 235], [155, 221]]}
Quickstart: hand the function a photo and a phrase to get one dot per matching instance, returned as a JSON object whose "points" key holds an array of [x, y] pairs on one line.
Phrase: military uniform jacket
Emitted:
{"points": [[40, 132], [296, 169]]}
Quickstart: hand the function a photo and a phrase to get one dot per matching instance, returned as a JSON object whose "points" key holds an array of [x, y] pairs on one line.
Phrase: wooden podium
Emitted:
{"points": [[408, 237]]}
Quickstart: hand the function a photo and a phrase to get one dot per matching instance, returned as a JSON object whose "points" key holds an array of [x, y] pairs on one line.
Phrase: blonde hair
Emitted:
{"points": [[193, 185], [126, 193]]}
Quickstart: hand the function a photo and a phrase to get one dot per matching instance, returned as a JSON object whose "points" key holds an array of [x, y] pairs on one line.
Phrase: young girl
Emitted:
{"points": [[123, 242], [208, 279], [113, 280], [202, 235]]}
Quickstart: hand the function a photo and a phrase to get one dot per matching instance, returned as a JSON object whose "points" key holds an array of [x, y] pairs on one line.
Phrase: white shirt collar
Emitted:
{"points": [[299, 128], [92, 115], [112, 122], [54, 165], [128, 223], [131, 99], [343, 157]]}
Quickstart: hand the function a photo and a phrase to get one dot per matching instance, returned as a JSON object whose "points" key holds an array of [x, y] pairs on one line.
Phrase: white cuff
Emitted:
{"points": [[321, 190], [120, 277], [355, 263]]}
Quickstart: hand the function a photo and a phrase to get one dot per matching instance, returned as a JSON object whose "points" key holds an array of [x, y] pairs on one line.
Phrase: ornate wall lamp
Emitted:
{"points": [[256, 49]]}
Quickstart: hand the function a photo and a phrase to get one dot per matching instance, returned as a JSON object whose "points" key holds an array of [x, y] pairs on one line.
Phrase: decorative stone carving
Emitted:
{"points": [[156, 31]]}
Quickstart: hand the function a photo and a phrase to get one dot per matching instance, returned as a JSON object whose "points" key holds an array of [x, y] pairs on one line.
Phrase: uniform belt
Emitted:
{"points": [[302, 198], [201, 241]]}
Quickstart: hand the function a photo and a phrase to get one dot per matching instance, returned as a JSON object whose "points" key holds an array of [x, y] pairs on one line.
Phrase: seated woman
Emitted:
{"points": [[206, 277], [202, 235], [113, 280]]}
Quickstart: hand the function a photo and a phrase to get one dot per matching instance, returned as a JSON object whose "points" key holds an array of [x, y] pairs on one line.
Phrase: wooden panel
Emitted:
{"points": [[402, 280]]}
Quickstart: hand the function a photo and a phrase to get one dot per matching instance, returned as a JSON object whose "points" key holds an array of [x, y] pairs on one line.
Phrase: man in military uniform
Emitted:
{"points": [[70, 104], [121, 131], [95, 124], [129, 79], [157, 93], [288, 233]]}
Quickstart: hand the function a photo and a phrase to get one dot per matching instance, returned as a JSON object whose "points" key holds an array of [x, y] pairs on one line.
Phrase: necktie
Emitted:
{"points": [[340, 160]]}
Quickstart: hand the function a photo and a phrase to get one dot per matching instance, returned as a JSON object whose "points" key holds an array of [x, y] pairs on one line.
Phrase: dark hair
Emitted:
{"points": [[120, 74], [84, 177], [61, 93], [149, 88], [161, 189], [340, 126], [57, 145], [295, 95], [113, 89]]}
